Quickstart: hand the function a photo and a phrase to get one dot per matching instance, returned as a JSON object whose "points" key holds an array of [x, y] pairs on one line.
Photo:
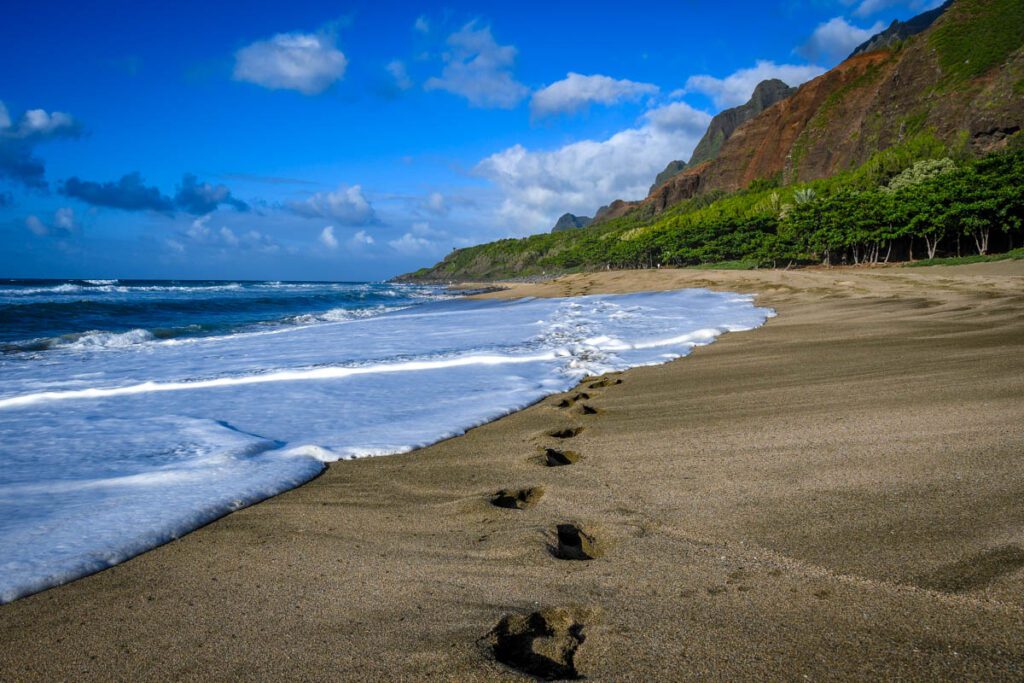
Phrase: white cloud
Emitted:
{"points": [[228, 237], [327, 237], [421, 239], [307, 62], [576, 91], [579, 177], [836, 39], [866, 8], [401, 75], [346, 204], [201, 234], [361, 239], [479, 69], [63, 224], [410, 245], [36, 226], [435, 204], [36, 122], [422, 24], [18, 140], [736, 88]]}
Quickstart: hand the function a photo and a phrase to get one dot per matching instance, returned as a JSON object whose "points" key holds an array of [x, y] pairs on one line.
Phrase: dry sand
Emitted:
{"points": [[835, 495]]}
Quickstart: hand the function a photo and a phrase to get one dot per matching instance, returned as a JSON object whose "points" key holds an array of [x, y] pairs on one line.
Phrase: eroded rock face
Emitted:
{"points": [[679, 180], [899, 31], [877, 98], [683, 186], [674, 168], [543, 643], [726, 122], [570, 221], [619, 207]]}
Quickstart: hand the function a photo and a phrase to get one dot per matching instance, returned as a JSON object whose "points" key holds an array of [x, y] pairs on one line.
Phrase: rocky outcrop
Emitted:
{"points": [[899, 31], [674, 168], [681, 186], [664, 193], [726, 122], [619, 207], [570, 221]]}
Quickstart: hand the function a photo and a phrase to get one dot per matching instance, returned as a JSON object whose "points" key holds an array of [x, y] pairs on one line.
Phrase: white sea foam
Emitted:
{"points": [[109, 450]]}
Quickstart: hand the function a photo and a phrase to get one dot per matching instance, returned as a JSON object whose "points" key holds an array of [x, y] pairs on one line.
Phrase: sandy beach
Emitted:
{"points": [[836, 495]]}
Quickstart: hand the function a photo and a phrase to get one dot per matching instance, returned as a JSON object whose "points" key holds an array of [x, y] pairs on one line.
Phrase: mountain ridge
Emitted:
{"points": [[954, 90]]}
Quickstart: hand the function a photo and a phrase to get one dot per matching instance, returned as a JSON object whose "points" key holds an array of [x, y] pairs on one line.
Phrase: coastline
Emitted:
{"points": [[833, 495]]}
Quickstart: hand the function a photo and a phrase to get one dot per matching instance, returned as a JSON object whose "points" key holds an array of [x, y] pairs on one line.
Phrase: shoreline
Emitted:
{"points": [[755, 500]]}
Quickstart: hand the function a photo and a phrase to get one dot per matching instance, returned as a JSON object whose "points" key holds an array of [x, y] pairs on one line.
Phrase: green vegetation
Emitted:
{"points": [[977, 36], [916, 199], [1015, 254]]}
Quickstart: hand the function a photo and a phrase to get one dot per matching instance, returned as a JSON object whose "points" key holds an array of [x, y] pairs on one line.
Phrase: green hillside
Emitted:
{"points": [[919, 199]]}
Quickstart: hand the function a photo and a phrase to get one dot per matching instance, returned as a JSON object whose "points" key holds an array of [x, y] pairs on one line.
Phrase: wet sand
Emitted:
{"points": [[835, 495]]}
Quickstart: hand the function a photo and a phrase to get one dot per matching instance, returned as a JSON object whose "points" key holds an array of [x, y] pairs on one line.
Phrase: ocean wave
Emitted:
{"points": [[336, 315], [83, 341]]}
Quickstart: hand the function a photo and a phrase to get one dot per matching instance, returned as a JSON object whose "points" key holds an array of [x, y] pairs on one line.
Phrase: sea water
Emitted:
{"points": [[133, 412]]}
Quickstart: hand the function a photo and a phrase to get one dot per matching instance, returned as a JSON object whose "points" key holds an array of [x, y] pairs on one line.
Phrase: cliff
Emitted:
{"points": [[962, 79]]}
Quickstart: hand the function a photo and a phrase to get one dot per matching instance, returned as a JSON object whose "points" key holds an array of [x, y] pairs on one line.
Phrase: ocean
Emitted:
{"points": [[132, 412]]}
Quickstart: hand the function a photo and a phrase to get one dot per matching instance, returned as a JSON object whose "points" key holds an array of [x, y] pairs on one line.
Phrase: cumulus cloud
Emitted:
{"points": [[401, 75], [63, 224], [361, 239], [479, 69], [436, 204], [199, 233], [306, 62], [736, 88], [540, 185], [201, 198], [18, 140], [835, 39], [410, 245], [422, 24], [129, 193], [576, 91], [327, 237], [866, 8], [347, 205], [421, 239]]}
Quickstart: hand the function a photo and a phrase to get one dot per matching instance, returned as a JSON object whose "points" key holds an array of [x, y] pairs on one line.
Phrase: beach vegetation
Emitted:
{"points": [[921, 199]]}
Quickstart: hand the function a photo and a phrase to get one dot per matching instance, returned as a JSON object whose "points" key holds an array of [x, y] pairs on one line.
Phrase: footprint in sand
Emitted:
{"points": [[554, 457], [586, 409], [565, 432], [518, 499], [604, 382], [575, 543], [570, 401], [542, 644]]}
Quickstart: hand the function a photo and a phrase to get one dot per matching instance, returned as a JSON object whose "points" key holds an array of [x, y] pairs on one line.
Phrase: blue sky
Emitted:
{"points": [[354, 141]]}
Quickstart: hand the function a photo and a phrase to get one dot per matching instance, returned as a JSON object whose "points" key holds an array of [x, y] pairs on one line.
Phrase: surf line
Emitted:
{"points": [[279, 376]]}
